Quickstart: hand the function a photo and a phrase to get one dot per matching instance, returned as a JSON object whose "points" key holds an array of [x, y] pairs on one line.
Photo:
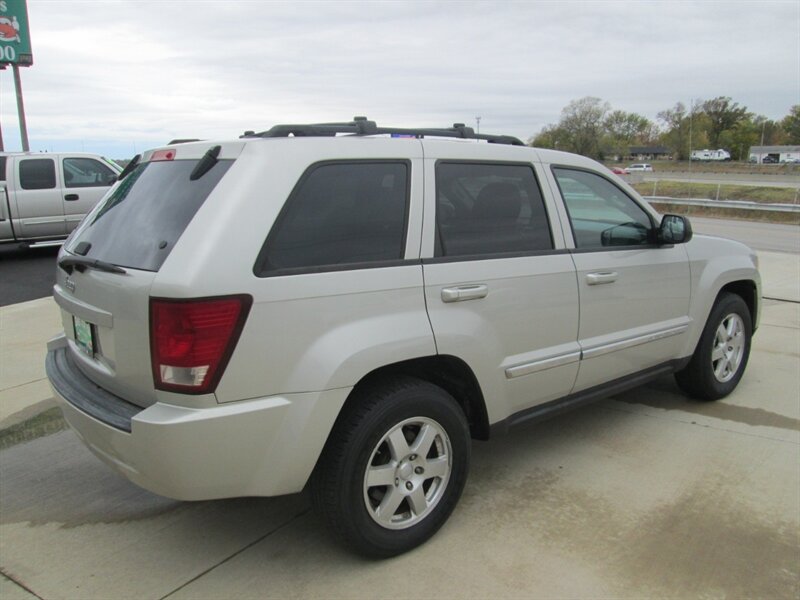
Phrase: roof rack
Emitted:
{"points": [[363, 126]]}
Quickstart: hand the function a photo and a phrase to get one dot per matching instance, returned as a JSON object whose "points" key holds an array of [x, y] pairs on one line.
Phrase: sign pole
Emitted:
{"points": [[23, 127]]}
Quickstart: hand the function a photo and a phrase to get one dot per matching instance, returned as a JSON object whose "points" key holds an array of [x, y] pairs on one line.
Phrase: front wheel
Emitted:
{"points": [[394, 467], [721, 356]]}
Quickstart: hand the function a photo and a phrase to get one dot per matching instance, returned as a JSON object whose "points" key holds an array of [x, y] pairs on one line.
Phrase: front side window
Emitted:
{"points": [[485, 209], [87, 172], [600, 213], [37, 174], [340, 214]]}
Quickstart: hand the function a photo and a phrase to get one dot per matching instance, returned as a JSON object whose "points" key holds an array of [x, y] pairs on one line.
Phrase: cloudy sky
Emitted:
{"points": [[119, 77]]}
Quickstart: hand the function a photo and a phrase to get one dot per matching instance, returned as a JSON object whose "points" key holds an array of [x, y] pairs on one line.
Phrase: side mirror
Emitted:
{"points": [[674, 229]]}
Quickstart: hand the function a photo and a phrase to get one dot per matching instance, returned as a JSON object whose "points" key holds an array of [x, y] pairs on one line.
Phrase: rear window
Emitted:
{"points": [[138, 224], [37, 174]]}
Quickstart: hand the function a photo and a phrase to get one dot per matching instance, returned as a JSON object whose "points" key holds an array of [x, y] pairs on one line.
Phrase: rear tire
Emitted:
{"points": [[720, 358], [393, 468]]}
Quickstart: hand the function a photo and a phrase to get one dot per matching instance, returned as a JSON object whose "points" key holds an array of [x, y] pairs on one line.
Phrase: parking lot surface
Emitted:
{"points": [[26, 273], [647, 494]]}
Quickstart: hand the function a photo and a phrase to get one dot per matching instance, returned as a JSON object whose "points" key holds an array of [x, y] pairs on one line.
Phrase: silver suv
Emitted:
{"points": [[328, 305]]}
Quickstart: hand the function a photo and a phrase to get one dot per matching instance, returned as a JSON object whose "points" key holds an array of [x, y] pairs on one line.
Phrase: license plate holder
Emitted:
{"points": [[84, 335]]}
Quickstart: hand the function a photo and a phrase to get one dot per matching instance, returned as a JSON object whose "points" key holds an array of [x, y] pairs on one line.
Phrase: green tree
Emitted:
{"points": [[582, 125], [791, 125], [549, 137], [676, 134], [770, 133], [723, 115], [624, 129], [685, 129], [740, 138]]}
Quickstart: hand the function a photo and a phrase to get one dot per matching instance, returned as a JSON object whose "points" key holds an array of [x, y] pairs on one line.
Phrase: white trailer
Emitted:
{"points": [[708, 155]]}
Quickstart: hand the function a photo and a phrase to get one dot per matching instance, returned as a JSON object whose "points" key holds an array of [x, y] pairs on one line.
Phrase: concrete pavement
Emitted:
{"points": [[24, 331], [648, 494]]}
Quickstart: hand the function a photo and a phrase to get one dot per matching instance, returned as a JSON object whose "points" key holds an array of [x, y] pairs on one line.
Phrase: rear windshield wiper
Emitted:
{"points": [[204, 164], [80, 264], [129, 167]]}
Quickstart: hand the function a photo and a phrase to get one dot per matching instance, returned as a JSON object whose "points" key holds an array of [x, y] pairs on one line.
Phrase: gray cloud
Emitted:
{"points": [[124, 75]]}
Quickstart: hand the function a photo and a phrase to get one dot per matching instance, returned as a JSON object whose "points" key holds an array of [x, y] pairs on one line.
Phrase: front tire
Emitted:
{"points": [[721, 356], [394, 467]]}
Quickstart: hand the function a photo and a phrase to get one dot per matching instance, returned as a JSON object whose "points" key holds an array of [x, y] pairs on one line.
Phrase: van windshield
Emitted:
{"points": [[138, 223]]}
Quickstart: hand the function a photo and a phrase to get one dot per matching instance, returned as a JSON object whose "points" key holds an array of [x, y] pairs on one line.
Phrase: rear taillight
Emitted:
{"points": [[191, 341]]}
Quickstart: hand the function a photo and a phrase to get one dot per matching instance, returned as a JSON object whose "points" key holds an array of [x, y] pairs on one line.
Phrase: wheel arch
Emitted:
{"points": [[746, 289], [449, 373]]}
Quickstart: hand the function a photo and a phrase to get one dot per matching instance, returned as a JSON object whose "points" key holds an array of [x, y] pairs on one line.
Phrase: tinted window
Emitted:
{"points": [[2, 168], [340, 214], [138, 224], [87, 172], [600, 213], [489, 209], [37, 174]]}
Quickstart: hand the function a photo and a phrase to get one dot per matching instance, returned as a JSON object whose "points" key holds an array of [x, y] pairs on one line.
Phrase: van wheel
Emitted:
{"points": [[721, 356], [393, 468]]}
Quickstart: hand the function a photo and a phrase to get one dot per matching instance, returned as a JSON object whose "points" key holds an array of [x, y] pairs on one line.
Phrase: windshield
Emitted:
{"points": [[142, 218]]}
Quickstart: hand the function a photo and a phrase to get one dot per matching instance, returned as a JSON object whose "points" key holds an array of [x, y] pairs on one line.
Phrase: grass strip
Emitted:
{"points": [[709, 191], [47, 423]]}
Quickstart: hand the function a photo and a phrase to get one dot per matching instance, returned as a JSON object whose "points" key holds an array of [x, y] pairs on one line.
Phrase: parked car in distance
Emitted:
{"points": [[769, 160], [246, 317], [790, 160], [639, 167], [43, 196], [618, 170]]}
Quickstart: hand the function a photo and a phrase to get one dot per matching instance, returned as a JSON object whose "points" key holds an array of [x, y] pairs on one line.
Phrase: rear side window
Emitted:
{"points": [[340, 215], [2, 168], [37, 174], [485, 209], [139, 222], [87, 172]]}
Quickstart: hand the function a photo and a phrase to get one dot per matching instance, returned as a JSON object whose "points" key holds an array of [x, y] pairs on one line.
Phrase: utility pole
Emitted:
{"points": [[691, 118], [23, 127], [15, 50], [478, 121], [2, 147]]}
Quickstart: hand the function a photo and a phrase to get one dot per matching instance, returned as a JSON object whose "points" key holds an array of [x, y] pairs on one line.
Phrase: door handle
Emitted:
{"points": [[71, 197], [601, 277], [465, 292]]}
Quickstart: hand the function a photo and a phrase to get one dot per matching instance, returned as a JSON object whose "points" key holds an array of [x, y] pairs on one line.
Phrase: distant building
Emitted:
{"points": [[774, 154], [648, 152]]}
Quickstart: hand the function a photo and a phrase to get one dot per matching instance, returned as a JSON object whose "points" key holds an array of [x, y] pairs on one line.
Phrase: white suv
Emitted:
{"points": [[324, 304], [643, 167]]}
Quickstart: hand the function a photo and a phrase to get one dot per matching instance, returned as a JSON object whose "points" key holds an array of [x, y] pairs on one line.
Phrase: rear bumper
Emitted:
{"points": [[258, 447]]}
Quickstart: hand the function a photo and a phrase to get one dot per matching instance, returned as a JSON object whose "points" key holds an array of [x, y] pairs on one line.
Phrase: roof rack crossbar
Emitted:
{"points": [[363, 126]]}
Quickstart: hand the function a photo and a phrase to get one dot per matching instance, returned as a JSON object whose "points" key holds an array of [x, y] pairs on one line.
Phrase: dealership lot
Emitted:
{"points": [[645, 494]]}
